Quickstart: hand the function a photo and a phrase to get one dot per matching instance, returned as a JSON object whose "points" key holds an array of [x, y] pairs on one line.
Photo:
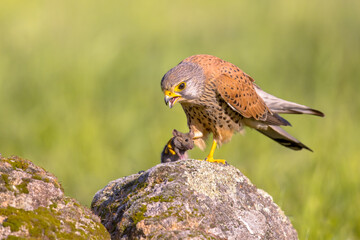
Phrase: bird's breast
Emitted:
{"points": [[213, 115]]}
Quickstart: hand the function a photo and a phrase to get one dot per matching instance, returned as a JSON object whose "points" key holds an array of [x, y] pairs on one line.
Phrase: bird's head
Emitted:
{"points": [[183, 83]]}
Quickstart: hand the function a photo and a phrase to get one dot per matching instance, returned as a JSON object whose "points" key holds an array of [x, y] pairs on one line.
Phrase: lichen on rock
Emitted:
{"points": [[190, 199], [33, 206]]}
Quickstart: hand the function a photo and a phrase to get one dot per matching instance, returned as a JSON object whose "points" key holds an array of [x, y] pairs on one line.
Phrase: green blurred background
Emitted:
{"points": [[80, 93]]}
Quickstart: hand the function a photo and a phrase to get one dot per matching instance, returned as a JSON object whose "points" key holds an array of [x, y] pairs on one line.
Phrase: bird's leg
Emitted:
{"points": [[210, 157]]}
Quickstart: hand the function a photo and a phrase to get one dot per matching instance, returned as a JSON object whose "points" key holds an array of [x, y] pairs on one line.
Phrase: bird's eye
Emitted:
{"points": [[181, 86]]}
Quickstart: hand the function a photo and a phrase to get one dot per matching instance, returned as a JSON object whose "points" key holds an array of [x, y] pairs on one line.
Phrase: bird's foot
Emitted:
{"points": [[211, 159]]}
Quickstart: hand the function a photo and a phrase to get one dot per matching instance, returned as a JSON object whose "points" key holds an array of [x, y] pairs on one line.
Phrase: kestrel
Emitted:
{"points": [[219, 98]]}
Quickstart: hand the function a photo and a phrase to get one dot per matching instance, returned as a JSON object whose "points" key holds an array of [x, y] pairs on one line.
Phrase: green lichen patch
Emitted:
{"points": [[5, 179], [141, 185], [139, 215], [113, 207], [98, 230], [134, 186], [17, 163], [159, 179], [41, 178], [22, 187], [170, 211], [27, 166], [53, 206], [44, 223], [11, 237], [46, 179], [40, 222], [76, 204], [131, 192], [66, 200], [161, 198], [55, 221]]}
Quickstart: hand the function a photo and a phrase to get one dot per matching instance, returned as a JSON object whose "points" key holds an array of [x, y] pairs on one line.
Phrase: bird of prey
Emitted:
{"points": [[219, 98]]}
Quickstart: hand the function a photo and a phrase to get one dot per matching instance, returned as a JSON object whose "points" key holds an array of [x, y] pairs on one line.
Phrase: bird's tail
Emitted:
{"points": [[278, 105], [282, 137]]}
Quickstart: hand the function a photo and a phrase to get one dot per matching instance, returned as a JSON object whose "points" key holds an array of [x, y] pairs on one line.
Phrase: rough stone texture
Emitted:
{"points": [[33, 206], [190, 199]]}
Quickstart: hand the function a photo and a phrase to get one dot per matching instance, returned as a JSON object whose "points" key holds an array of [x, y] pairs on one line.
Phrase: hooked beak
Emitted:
{"points": [[171, 98]]}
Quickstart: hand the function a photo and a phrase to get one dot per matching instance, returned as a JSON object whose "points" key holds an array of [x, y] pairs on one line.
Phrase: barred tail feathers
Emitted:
{"points": [[279, 135]]}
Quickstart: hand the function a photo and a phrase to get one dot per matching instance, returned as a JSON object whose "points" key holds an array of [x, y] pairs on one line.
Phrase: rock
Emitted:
{"points": [[190, 199], [33, 205]]}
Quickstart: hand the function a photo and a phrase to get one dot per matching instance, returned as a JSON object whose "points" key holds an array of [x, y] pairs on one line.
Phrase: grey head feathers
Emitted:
{"points": [[190, 73]]}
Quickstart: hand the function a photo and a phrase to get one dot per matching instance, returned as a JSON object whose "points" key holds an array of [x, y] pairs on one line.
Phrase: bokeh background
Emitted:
{"points": [[80, 93]]}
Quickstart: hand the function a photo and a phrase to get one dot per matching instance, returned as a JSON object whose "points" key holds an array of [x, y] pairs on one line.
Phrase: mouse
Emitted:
{"points": [[177, 147]]}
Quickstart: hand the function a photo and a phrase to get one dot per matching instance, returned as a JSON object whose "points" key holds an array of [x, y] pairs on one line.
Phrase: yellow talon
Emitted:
{"points": [[210, 157], [223, 161]]}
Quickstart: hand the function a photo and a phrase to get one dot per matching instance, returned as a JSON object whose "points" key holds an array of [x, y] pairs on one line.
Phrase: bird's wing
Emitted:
{"points": [[278, 105], [239, 94]]}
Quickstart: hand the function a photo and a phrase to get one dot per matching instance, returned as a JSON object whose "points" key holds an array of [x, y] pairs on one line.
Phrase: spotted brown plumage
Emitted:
{"points": [[233, 85], [219, 98]]}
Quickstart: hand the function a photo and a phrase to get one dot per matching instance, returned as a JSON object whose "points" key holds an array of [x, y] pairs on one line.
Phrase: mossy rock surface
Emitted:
{"points": [[33, 206], [190, 199]]}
